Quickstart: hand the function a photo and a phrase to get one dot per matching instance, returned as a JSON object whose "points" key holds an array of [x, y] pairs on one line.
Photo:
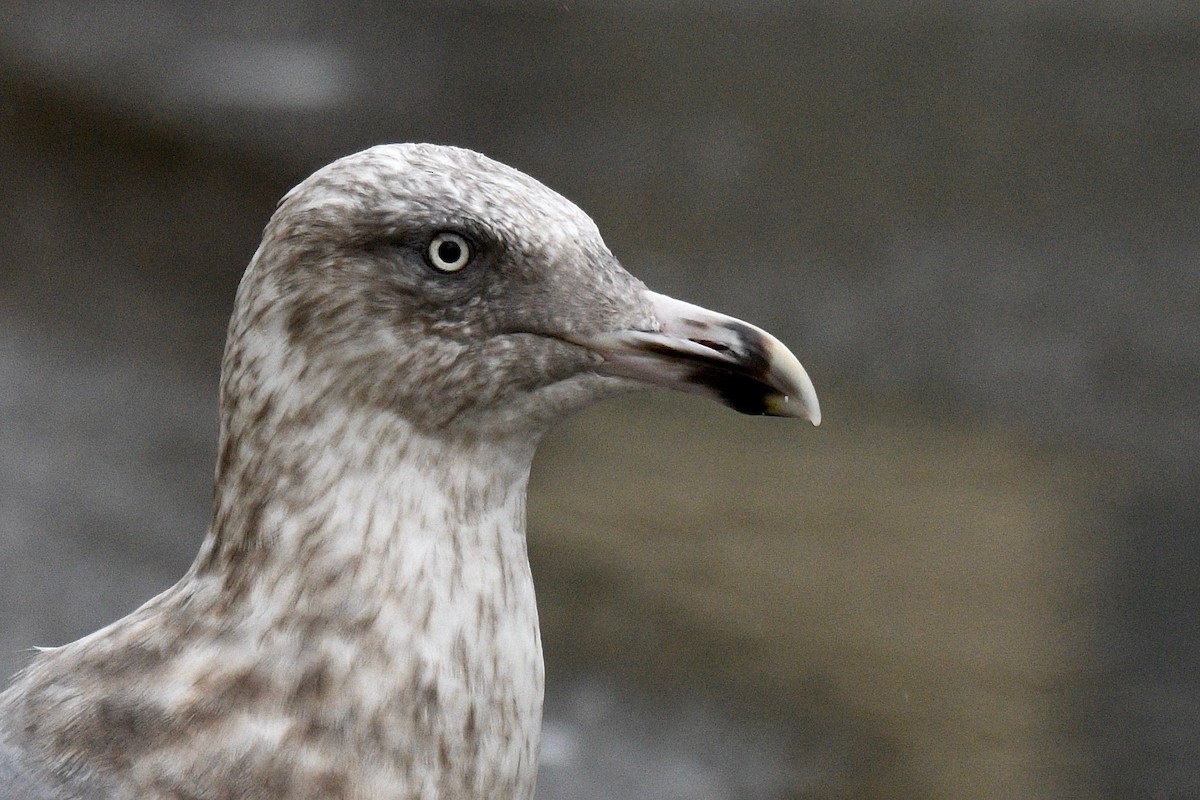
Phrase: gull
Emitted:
{"points": [[360, 620]]}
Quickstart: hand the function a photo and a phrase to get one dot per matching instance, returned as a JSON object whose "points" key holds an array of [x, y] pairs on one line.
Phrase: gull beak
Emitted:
{"points": [[696, 350]]}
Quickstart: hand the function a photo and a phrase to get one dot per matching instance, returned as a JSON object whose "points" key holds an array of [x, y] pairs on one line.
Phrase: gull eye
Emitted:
{"points": [[449, 252]]}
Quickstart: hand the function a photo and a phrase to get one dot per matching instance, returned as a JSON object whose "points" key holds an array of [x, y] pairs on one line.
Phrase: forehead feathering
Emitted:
{"points": [[395, 183]]}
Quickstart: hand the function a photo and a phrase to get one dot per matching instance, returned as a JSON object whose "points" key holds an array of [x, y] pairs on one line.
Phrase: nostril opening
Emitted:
{"points": [[711, 345]]}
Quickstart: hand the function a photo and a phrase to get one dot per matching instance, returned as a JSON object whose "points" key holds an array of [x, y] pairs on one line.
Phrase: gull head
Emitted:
{"points": [[438, 285]]}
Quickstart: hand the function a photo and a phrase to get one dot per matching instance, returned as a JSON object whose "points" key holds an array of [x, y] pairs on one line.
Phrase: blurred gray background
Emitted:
{"points": [[976, 223]]}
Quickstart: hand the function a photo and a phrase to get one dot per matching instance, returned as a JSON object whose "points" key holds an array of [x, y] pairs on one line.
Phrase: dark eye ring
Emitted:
{"points": [[449, 252]]}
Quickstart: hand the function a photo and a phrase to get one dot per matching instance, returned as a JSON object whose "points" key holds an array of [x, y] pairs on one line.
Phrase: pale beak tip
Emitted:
{"points": [[782, 405], [814, 416], [797, 397]]}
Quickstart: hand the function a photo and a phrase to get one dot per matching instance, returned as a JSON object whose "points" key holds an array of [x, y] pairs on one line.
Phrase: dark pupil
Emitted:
{"points": [[449, 252]]}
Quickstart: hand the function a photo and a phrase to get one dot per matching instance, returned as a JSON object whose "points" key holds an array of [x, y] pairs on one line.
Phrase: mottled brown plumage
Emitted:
{"points": [[360, 620]]}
